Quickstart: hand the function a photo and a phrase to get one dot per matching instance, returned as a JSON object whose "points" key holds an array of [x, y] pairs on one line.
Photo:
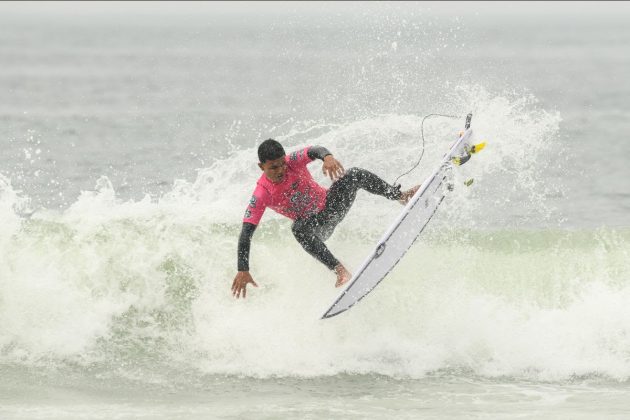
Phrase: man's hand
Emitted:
{"points": [[239, 285], [332, 168]]}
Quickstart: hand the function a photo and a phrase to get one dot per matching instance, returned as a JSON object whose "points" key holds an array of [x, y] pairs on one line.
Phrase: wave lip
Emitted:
{"points": [[141, 288]]}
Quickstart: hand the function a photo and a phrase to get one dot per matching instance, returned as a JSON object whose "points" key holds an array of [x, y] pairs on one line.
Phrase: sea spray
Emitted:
{"points": [[494, 287]]}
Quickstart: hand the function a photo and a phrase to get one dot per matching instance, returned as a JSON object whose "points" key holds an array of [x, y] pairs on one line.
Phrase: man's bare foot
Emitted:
{"points": [[407, 195], [343, 275]]}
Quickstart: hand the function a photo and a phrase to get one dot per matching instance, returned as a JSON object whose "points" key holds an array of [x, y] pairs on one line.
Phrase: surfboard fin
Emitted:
{"points": [[460, 160], [476, 148], [469, 182]]}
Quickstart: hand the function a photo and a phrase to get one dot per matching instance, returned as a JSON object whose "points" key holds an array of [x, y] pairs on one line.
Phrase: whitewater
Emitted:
{"points": [[118, 249]]}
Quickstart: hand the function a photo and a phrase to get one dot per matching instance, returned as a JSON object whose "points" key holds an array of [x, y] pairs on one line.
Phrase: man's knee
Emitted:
{"points": [[353, 172], [298, 230], [304, 232]]}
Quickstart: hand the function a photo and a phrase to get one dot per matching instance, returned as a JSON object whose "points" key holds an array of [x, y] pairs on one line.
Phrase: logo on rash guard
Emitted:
{"points": [[294, 185], [248, 214], [252, 202], [302, 203]]}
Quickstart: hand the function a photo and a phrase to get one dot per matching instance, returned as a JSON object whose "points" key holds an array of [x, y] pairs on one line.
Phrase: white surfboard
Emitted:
{"points": [[403, 232]]}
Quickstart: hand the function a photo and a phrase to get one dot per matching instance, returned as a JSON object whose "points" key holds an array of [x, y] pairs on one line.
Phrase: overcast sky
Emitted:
{"points": [[278, 8]]}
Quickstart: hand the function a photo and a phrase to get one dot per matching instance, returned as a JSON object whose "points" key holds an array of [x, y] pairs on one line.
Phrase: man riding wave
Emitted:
{"points": [[287, 187]]}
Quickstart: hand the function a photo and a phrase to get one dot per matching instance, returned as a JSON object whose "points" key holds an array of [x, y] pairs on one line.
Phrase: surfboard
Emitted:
{"points": [[404, 231]]}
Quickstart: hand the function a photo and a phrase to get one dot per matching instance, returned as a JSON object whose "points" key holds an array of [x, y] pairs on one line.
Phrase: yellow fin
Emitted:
{"points": [[477, 147]]}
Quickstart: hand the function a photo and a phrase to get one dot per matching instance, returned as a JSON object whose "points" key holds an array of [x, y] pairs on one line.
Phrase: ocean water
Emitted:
{"points": [[129, 135]]}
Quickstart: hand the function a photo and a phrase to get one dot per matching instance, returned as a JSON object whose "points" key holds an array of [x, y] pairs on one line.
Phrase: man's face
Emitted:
{"points": [[274, 169]]}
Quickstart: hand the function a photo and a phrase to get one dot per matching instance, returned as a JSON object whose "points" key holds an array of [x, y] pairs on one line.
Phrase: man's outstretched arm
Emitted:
{"points": [[318, 152], [239, 285]]}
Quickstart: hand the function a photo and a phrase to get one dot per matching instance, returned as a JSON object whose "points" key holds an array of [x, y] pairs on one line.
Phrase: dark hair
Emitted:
{"points": [[270, 150]]}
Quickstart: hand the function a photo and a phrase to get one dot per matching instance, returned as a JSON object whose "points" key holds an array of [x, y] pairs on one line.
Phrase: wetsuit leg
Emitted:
{"points": [[313, 231], [342, 192], [306, 231]]}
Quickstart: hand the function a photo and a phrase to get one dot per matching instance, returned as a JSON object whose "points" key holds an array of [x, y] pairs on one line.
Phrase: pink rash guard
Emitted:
{"points": [[297, 196]]}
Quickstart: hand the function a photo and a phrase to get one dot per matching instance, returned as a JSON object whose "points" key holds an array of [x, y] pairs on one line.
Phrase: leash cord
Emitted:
{"points": [[422, 153]]}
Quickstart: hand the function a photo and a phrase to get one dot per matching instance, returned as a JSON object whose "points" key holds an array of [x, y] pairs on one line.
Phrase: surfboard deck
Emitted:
{"points": [[406, 228]]}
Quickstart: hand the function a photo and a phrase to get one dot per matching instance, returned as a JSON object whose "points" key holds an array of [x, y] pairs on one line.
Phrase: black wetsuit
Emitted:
{"points": [[311, 232]]}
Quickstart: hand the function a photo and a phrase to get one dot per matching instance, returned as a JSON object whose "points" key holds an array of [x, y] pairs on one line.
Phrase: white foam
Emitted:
{"points": [[106, 277]]}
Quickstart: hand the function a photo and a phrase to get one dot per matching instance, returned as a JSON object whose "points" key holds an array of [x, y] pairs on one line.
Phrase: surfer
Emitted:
{"points": [[287, 187]]}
